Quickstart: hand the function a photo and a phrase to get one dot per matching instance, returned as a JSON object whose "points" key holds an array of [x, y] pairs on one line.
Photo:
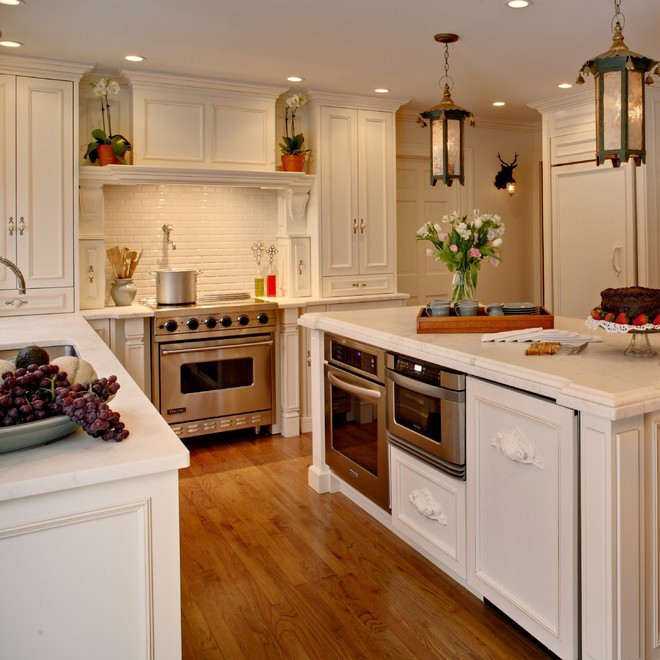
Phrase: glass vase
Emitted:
{"points": [[462, 287]]}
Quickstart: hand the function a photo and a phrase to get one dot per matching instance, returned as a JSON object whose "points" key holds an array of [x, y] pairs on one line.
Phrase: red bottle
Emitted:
{"points": [[271, 284]]}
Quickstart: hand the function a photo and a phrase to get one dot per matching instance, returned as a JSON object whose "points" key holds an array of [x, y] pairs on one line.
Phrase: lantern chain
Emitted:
{"points": [[618, 18]]}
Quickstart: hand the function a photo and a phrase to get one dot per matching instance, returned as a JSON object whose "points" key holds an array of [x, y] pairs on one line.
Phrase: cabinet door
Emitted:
{"points": [[92, 275], [7, 177], [593, 219], [376, 192], [44, 176], [522, 510], [339, 191]]}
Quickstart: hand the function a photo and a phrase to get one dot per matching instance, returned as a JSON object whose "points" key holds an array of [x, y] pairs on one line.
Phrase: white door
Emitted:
{"points": [[418, 202], [339, 191], [7, 177], [376, 192], [593, 219], [44, 181]]}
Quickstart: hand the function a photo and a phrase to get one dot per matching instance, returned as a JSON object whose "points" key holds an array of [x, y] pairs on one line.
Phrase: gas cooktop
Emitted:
{"points": [[219, 301]]}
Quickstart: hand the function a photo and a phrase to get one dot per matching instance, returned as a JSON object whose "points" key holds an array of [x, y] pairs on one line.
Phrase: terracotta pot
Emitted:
{"points": [[293, 162], [106, 155]]}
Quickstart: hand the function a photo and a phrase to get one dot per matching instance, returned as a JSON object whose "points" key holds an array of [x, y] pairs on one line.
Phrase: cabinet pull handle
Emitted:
{"points": [[615, 266], [309, 358], [300, 267], [363, 284], [90, 269], [21, 229], [356, 284], [91, 280], [23, 302], [516, 447], [363, 225], [355, 226], [11, 225]]}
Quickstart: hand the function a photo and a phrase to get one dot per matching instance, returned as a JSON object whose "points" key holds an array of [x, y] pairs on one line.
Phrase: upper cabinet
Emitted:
{"points": [[195, 122], [37, 192], [354, 152]]}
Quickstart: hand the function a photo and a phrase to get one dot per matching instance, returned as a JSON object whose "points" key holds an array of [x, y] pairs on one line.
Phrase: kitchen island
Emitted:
{"points": [[567, 544], [89, 536]]}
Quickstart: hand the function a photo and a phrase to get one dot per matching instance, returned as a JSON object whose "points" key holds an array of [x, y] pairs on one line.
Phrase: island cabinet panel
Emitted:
{"points": [[652, 564], [522, 513], [428, 508], [37, 191]]}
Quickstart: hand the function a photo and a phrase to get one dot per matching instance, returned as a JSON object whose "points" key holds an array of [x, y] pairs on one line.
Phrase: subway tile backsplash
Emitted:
{"points": [[214, 228]]}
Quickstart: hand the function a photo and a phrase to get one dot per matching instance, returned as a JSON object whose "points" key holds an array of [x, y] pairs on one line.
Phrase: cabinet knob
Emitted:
{"points": [[356, 284], [363, 225], [355, 226], [300, 267]]}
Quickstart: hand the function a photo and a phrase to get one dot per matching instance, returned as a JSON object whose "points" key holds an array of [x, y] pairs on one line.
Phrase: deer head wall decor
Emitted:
{"points": [[504, 178]]}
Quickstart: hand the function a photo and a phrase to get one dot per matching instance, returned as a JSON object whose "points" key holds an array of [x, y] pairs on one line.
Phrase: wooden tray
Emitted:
{"points": [[482, 322]]}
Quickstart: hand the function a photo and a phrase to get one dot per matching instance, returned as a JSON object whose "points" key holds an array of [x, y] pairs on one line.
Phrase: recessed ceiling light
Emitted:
{"points": [[564, 85], [135, 58], [295, 79], [12, 2], [10, 44], [499, 103], [519, 4], [381, 90]]}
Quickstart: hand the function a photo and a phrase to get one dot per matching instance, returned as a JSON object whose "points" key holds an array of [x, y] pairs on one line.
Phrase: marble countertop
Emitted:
{"points": [[118, 312], [600, 380], [286, 301], [80, 460]]}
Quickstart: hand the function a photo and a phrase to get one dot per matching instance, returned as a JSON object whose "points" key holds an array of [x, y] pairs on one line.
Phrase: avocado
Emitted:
{"points": [[31, 355]]}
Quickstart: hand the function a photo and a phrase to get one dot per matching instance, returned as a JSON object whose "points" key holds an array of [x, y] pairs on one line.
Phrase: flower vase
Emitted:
{"points": [[293, 162], [123, 292], [462, 287], [106, 155]]}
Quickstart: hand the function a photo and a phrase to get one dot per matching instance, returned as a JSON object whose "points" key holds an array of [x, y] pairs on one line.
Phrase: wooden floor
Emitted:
{"points": [[271, 569]]}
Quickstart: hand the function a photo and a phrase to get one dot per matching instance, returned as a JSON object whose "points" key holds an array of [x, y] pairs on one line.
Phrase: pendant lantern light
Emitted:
{"points": [[620, 76], [446, 119]]}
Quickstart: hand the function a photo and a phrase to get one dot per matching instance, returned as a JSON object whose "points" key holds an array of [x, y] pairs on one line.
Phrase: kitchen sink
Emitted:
{"points": [[55, 351]]}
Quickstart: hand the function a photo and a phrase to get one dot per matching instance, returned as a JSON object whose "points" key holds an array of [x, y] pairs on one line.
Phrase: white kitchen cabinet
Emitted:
{"points": [[522, 466], [38, 183], [357, 197], [428, 508]]}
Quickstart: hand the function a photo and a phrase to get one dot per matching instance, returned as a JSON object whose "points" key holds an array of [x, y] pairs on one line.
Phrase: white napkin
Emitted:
{"points": [[539, 334]]}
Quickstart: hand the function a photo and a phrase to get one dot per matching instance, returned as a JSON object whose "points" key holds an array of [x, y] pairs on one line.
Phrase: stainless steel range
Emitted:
{"points": [[213, 363]]}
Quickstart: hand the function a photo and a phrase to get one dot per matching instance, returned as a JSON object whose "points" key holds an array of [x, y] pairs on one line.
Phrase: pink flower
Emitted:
{"points": [[453, 248], [443, 236], [494, 262], [474, 252]]}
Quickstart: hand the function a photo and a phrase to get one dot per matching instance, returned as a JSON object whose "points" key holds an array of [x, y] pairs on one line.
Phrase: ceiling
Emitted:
{"points": [[516, 56]]}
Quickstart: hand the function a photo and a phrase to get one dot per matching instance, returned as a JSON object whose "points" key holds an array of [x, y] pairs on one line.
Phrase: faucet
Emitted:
{"points": [[167, 228], [20, 280]]}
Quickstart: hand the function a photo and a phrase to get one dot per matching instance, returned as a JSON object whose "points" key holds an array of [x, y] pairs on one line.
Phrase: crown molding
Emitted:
{"points": [[45, 68], [565, 102], [354, 101], [493, 124], [203, 84]]}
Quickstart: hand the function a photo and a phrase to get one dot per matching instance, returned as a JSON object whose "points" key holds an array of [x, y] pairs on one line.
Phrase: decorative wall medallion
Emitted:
{"points": [[423, 501], [516, 447]]}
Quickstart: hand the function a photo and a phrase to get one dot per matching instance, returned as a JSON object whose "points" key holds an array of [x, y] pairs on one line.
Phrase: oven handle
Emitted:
{"points": [[217, 347], [425, 388], [353, 389]]}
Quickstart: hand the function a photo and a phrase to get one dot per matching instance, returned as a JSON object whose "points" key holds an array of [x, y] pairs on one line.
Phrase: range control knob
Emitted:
{"points": [[262, 318], [192, 324], [225, 321], [171, 326], [210, 322], [243, 319]]}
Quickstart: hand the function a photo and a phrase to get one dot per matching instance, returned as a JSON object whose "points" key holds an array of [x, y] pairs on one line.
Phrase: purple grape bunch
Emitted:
{"points": [[39, 391]]}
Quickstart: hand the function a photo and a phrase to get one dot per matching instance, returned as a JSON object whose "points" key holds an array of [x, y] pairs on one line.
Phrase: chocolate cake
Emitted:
{"points": [[632, 301]]}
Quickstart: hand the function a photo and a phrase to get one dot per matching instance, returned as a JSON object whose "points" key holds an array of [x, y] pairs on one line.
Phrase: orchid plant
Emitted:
{"points": [[120, 145], [291, 143], [462, 243]]}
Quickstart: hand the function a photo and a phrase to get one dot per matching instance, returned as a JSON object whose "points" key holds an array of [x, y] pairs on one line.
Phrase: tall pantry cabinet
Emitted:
{"points": [[38, 183], [599, 222], [353, 153]]}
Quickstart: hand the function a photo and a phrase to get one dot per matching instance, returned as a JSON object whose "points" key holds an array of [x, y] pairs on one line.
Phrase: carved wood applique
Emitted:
{"points": [[516, 447], [423, 501]]}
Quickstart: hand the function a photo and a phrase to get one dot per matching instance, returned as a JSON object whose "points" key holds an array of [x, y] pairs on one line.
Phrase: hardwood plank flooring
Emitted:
{"points": [[271, 569]]}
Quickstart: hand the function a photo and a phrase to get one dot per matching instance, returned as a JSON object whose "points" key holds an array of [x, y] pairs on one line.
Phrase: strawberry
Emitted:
{"points": [[610, 316], [641, 319], [597, 313], [656, 320], [622, 319]]}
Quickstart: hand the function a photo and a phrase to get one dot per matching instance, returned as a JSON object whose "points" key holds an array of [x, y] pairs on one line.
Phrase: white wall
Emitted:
{"points": [[214, 229], [518, 277]]}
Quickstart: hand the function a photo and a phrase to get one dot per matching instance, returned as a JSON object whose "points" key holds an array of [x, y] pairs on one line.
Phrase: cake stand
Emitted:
{"points": [[639, 346]]}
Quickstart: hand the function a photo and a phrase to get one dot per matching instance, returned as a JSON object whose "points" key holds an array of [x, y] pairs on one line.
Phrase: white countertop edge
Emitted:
{"points": [[286, 301], [114, 312]]}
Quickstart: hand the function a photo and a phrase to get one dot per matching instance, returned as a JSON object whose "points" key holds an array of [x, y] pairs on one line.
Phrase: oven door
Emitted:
{"points": [[429, 417], [215, 377], [355, 438]]}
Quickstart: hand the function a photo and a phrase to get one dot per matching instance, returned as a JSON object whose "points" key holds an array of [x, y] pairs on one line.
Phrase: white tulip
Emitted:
{"points": [[497, 242]]}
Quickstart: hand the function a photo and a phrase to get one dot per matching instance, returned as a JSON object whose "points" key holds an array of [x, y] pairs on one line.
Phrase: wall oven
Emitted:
{"points": [[426, 412], [355, 411]]}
